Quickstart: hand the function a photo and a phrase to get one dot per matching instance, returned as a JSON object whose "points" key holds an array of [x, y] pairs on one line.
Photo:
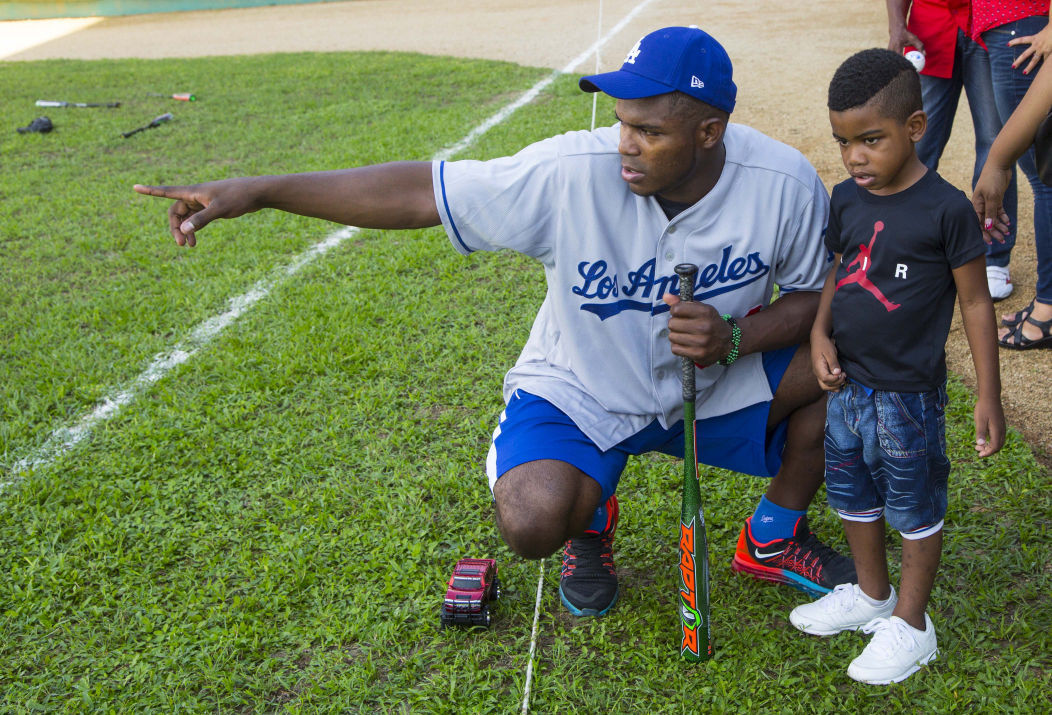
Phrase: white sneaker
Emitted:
{"points": [[999, 281], [845, 608], [896, 651]]}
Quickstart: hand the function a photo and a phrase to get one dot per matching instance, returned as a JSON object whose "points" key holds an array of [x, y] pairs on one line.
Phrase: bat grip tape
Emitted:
{"points": [[687, 273]]}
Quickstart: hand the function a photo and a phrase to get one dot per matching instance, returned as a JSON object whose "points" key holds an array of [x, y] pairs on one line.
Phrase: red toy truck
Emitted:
{"points": [[472, 587]]}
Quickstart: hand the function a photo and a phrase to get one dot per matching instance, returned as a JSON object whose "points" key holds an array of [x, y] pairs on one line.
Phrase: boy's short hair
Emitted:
{"points": [[881, 75]]}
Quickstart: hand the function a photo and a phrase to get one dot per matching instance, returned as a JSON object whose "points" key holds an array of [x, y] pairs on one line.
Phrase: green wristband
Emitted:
{"points": [[736, 341]]}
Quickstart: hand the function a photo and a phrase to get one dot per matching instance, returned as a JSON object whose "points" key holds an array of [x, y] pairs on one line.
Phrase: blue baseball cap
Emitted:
{"points": [[673, 59]]}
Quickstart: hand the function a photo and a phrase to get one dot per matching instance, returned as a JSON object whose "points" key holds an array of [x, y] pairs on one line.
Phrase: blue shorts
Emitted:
{"points": [[886, 455], [531, 428]]}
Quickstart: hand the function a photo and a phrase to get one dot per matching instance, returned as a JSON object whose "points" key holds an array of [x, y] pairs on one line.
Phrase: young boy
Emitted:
{"points": [[905, 242]]}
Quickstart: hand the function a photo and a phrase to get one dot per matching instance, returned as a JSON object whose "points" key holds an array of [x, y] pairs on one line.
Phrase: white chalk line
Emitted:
{"points": [[64, 439], [598, 36], [533, 642]]}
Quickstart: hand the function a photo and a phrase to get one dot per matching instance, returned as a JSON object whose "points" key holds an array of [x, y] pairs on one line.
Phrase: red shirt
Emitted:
{"points": [[936, 23], [988, 14]]}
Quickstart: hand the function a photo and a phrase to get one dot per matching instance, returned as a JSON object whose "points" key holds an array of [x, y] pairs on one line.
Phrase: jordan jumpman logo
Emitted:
{"points": [[864, 260]]}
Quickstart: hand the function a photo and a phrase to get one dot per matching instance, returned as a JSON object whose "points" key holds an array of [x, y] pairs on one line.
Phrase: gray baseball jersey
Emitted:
{"points": [[599, 349]]}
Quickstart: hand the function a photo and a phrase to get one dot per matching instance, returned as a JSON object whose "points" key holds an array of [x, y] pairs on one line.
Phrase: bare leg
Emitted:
{"points": [[802, 401], [866, 540], [920, 562], [543, 503]]}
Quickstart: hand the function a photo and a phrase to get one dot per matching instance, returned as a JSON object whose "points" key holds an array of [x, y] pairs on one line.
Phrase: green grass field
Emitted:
{"points": [[269, 528]]}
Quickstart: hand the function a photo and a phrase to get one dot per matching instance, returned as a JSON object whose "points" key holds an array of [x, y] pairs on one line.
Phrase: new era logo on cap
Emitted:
{"points": [[673, 59]]}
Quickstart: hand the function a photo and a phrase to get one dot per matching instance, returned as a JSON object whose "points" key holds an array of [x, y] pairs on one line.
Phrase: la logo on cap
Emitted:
{"points": [[633, 54], [673, 59]]}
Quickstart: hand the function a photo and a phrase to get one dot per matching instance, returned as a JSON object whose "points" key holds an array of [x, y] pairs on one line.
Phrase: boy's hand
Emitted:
{"points": [[825, 364], [989, 427]]}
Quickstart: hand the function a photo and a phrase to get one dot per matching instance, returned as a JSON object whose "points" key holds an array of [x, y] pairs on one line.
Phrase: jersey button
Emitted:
{"points": [[669, 255], [671, 229], [660, 374]]}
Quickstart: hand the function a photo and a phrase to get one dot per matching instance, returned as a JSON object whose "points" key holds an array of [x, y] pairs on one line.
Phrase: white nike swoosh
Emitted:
{"points": [[763, 555]]}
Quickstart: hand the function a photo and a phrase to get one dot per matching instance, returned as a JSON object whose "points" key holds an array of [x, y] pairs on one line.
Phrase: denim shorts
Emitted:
{"points": [[531, 428], [886, 455]]}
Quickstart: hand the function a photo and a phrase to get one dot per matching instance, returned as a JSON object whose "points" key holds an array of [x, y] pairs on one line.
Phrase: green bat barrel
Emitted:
{"points": [[696, 643]]}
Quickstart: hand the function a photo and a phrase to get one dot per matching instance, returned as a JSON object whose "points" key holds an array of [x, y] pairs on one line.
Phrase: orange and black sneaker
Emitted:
{"points": [[802, 561], [588, 586]]}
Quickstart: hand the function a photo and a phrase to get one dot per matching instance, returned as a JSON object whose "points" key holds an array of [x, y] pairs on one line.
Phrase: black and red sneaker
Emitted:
{"points": [[588, 586], [802, 561]]}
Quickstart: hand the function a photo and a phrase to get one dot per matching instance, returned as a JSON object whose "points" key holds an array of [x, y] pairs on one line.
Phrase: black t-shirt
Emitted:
{"points": [[895, 289]]}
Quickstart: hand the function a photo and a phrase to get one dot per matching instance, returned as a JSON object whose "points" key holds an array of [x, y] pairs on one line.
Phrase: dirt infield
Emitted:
{"points": [[784, 54]]}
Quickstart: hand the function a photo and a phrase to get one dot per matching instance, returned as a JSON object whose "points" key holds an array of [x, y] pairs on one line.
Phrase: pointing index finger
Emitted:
{"points": [[167, 192]]}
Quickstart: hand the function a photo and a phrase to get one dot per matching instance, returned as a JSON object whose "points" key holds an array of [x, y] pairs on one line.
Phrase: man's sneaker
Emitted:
{"points": [[843, 609], [896, 651], [588, 586], [999, 281], [802, 561]]}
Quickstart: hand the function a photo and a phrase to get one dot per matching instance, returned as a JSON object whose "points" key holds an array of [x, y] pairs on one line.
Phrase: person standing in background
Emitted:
{"points": [[1018, 37], [954, 60]]}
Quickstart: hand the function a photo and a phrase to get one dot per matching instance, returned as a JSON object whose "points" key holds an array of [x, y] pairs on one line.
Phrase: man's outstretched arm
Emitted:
{"points": [[395, 195]]}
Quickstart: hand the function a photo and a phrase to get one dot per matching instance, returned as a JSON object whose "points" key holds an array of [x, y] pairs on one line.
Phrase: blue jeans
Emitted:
{"points": [[886, 453], [941, 95], [1009, 87]]}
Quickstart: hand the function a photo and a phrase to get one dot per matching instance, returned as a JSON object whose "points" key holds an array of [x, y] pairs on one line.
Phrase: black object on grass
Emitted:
{"points": [[158, 121], [42, 125]]}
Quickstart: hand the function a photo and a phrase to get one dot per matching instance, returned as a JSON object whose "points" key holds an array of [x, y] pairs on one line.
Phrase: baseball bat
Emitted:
{"points": [[694, 615], [181, 96], [52, 103], [157, 121]]}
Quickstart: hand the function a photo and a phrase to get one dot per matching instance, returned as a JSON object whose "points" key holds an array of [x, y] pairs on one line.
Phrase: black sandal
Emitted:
{"points": [[1015, 340], [1019, 316]]}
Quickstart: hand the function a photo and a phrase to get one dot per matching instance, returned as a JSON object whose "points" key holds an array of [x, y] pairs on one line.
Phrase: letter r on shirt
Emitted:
{"points": [[900, 270]]}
